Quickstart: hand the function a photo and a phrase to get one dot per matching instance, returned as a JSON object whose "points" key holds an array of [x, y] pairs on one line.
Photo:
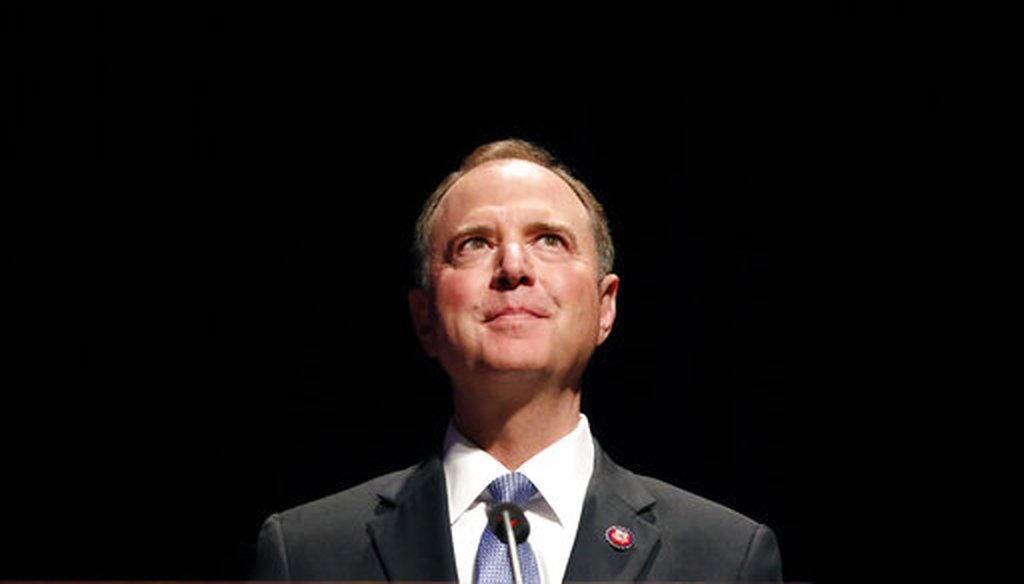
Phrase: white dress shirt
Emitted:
{"points": [[561, 473]]}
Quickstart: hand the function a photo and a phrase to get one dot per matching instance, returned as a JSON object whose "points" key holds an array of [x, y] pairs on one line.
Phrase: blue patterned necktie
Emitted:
{"points": [[492, 561]]}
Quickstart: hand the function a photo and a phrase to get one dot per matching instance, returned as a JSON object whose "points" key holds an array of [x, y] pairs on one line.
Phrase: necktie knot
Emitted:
{"points": [[512, 488]]}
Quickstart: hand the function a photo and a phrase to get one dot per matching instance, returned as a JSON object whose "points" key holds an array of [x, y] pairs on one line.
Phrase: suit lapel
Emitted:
{"points": [[412, 536], [614, 498]]}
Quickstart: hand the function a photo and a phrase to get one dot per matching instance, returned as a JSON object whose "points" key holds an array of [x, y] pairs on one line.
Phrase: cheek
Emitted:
{"points": [[455, 294], [577, 294]]}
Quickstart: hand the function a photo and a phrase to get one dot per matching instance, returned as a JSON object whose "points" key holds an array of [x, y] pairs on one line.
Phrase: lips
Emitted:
{"points": [[515, 312]]}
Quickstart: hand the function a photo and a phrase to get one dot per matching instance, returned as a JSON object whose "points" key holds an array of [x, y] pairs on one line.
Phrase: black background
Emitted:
{"points": [[208, 212]]}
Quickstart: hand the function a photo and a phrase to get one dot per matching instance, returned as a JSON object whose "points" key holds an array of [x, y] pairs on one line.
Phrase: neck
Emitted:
{"points": [[513, 425]]}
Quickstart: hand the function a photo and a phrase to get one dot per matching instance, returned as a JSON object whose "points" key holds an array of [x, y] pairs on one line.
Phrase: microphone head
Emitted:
{"points": [[520, 526]]}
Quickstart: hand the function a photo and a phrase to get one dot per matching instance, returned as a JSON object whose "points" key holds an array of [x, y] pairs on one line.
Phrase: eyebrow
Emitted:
{"points": [[471, 229]]}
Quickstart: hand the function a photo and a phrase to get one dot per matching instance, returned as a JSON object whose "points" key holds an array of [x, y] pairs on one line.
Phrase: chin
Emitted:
{"points": [[512, 359]]}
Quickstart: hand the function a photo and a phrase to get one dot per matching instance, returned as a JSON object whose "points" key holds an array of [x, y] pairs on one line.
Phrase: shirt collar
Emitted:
{"points": [[561, 472]]}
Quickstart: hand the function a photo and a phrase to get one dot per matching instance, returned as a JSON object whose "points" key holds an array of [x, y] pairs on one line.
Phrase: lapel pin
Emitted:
{"points": [[619, 538]]}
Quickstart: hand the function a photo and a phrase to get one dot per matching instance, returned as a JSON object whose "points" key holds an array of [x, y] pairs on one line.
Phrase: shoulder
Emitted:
{"points": [[700, 538], [352, 506], [675, 504], [745, 548], [302, 542], [672, 506]]}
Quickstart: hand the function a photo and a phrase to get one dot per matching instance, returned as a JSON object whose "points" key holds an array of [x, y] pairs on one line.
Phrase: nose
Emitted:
{"points": [[514, 268]]}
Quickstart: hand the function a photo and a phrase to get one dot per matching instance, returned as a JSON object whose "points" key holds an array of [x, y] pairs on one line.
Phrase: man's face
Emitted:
{"points": [[515, 278]]}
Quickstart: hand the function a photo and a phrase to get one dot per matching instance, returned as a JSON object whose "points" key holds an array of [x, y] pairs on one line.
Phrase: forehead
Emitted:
{"points": [[510, 189]]}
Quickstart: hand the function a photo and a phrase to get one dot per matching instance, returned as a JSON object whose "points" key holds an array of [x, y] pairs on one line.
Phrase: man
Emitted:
{"points": [[516, 293]]}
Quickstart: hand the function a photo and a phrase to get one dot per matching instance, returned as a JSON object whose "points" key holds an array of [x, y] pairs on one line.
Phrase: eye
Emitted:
{"points": [[552, 241], [472, 244]]}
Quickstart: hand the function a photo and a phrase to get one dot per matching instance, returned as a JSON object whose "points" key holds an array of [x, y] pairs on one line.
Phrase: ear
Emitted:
{"points": [[609, 290], [422, 319]]}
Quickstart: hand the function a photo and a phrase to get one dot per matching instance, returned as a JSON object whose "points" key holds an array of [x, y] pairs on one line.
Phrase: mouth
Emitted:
{"points": [[512, 313]]}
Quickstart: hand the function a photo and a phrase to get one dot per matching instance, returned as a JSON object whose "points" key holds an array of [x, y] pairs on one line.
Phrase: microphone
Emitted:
{"points": [[517, 519], [509, 523]]}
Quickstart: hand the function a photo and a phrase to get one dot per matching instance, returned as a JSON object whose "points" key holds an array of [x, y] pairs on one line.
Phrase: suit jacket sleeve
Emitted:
{"points": [[763, 562], [271, 556]]}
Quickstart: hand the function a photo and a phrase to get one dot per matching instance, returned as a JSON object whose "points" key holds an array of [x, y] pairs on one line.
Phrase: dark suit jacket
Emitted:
{"points": [[396, 527]]}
